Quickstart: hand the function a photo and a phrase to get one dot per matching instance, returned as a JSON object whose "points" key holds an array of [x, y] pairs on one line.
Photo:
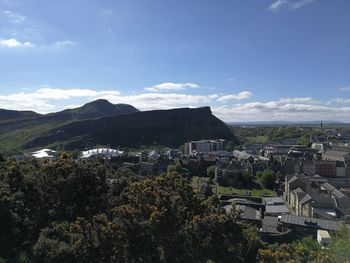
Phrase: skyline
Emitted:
{"points": [[248, 60]]}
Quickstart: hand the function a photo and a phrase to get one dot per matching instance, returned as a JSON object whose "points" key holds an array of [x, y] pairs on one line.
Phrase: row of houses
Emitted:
{"points": [[274, 220], [314, 196]]}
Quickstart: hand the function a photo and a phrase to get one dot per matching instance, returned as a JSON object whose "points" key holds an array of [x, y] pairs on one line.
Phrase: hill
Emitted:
{"points": [[163, 127], [19, 128], [95, 109], [13, 115]]}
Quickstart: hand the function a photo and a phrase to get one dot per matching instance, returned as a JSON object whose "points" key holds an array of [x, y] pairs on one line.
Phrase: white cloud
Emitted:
{"points": [[279, 4], [240, 96], [346, 88], [47, 99], [279, 110], [294, 100], [14, 43], [341, 101], [151, 101], [299, 4], [42, 99], [64, 43], [172, 86], [276, 6], [13, 17]]}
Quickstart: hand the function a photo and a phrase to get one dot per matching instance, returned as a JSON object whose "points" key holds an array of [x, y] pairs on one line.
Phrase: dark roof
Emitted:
{"points": [[273, 200], [269, 224], [248, 212], [305, 199], [343, 202], [311, 222], [277, 209], [331, 189], [299, 192]]}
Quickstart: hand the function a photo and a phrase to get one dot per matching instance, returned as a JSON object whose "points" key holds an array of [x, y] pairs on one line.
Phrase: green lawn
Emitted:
{"points": [[242, 191], [197, 181]]}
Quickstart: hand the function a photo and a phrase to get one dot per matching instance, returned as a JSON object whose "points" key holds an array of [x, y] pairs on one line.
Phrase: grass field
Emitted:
{"points": [[242, 191], [197, 181]]}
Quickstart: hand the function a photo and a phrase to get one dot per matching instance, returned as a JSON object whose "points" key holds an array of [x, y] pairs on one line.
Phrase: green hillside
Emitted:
{"points": [[162, 127]]}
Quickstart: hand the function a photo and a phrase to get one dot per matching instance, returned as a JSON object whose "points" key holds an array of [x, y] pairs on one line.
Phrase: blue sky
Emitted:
{"points": [[248, 59]]}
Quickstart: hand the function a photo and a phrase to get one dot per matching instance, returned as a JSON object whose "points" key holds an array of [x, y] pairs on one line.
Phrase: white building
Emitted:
{"points": [[323, 237], [101, 152], [204, 146], [44, 154]]}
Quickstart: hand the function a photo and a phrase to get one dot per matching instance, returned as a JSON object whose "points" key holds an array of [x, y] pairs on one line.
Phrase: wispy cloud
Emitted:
{"points": [[299, 4], [14, 43], [172, 86], [276, 6], [346, 88], [292, 5], [341, 101], [13, 17], [65, 43], [239, 96], [297, 100]]}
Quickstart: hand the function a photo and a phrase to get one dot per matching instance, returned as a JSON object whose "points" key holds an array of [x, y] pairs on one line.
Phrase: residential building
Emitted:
{"points": [[204, 146], [326, 168]]}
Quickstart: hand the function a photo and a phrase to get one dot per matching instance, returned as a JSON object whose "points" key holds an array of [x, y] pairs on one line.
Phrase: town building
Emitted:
{"points": [[204, 146]]}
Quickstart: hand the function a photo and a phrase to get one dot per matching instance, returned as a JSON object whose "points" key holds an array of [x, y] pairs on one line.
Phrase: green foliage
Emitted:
{"points": [[177, 168], [65, 211], [211, 171], [262, 135], [267, 178], [2, 158], [339, 248], [64, 156], [308, 250], [247, 178], [305, 250]]}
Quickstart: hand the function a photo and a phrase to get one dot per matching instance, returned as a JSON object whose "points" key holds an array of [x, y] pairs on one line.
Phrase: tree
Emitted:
{"points": [[267, 178], [211, 171], [305, 250], [177, 168], [67, 211], [247, 178]]}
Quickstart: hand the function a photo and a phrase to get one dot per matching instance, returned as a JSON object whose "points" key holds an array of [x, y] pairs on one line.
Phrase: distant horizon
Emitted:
{"points": [[256, 60]]}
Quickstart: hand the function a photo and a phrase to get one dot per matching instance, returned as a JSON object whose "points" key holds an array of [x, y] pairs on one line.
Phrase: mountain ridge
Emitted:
{"points": [[163, 127]]}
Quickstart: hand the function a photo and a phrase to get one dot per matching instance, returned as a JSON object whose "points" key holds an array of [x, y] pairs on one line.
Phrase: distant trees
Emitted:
{"points": [[2, 158]]}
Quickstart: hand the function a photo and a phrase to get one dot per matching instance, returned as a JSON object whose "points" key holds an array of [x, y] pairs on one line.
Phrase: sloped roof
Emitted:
{"points": [[311, 222]]}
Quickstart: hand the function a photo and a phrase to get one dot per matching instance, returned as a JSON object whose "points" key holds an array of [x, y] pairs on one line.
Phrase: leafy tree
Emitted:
{"points": [[177, 168], [247, 178], [211, 171], [304, 250], [267, 178], [339, 248], [65, 211]]}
